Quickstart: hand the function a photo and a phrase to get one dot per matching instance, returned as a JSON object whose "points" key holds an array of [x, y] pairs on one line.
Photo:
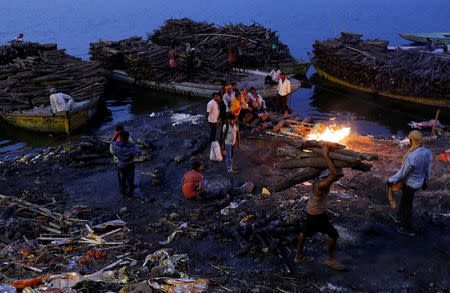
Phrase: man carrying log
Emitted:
{"points": [[414, 174], [317, 219], [58, 101], [284, 89]]}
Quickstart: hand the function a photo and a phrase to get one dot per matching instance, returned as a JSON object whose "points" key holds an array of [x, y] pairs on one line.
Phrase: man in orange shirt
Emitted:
{"points": [[192, 181]]}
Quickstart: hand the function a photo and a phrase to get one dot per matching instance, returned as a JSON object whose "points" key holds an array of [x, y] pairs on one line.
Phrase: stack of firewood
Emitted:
{"points": [[112, 55], [25, 81], [144, 60], [307, 156], [369, 64], [262, 46], [152, 64], [22, 50]]}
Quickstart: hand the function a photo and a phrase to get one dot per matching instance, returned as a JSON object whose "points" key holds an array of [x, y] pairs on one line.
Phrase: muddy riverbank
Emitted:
{"points": [[378, 259]]}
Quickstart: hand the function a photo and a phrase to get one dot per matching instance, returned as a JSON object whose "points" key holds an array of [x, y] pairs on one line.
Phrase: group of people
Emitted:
{"points": [[413, 174], [275, 77], [192, 61], [224, 110]]}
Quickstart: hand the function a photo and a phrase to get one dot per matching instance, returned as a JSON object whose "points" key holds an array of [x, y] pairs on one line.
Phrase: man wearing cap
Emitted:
{"points": [[414, 174], [284, 89], [58, 101], [316, 212]]}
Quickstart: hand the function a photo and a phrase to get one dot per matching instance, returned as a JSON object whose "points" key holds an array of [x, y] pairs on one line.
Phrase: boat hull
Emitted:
{"points": [[63, 123], [419, 100], [297, 68], [436, 38], [189, 88]]}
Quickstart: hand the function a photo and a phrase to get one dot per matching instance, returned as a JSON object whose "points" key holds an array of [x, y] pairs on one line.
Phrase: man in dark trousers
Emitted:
{"points": [[414, 174], [212, 115], [125, 152], [316, 212]]}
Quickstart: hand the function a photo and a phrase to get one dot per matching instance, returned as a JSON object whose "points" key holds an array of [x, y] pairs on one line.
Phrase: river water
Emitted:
{"points": [[74, 24]]}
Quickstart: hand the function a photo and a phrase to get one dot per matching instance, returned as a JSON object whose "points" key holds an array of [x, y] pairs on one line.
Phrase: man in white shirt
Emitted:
{"points": [[212, 115], [284, 89], [58, 101], [256, 101], [274, 76]]}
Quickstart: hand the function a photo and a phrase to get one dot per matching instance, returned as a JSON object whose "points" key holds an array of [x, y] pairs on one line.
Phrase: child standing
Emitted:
{"points": [[231, 134]]}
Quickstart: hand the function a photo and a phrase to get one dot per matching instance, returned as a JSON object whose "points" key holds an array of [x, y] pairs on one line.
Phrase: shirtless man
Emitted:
{"points": [[317, 219], [173, 61]]}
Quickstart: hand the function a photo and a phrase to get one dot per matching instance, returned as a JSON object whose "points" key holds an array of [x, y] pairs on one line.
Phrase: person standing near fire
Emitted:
{"points": [[414, 174], [284, 89], [316, 212]]}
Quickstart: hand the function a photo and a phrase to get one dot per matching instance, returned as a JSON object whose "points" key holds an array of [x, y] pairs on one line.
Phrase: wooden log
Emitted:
{"points": [[304, 175], [311, 162], [279, 125], [338, 156]]}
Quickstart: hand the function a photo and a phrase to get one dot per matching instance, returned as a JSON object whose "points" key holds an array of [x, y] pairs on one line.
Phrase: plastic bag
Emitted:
{"points": [[215, 154]]}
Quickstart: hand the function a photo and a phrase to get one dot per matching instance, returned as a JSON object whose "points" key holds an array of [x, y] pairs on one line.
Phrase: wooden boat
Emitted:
{"points": [[441, 102], [62, 122], [203, 90], [299, 67], [436, 38]]}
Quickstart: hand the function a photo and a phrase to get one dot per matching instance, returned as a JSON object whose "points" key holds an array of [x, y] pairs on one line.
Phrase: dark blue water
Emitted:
{"points": [[74, 24]]}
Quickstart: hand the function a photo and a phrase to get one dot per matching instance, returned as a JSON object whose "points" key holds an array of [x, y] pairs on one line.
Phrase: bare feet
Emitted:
{"points": [[334, 264], [303, 259]]}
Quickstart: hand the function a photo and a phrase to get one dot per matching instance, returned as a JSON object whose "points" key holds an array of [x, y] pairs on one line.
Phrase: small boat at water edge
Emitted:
{"points": [[255, 79], [41, 120], [421, 100], [436, 38], [299, 67]]}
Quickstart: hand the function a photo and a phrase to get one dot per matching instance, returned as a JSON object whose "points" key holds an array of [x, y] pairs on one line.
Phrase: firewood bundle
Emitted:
{"points": [[307, 156], [152, 64], [25, 82], [262, 46], [22, 50], [271, 121], [112, 55], [369, 64]]}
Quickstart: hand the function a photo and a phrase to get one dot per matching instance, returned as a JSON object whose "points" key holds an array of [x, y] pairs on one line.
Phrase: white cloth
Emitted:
{"points": [[214, 153], [275, 75], [284, 87], [213, 111], [230, 136], [58, 103]]}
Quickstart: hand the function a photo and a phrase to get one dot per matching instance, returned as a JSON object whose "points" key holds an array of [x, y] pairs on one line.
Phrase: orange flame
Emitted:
{"points": [[330, 134]]}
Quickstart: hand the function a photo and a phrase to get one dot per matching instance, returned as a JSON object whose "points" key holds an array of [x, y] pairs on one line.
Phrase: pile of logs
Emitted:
{"points": [[149, 60], [307, 156], [209, 65], [258, 39], [22, 50], [271, 121], [25, 81], [368, 63], [112, 54]]}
